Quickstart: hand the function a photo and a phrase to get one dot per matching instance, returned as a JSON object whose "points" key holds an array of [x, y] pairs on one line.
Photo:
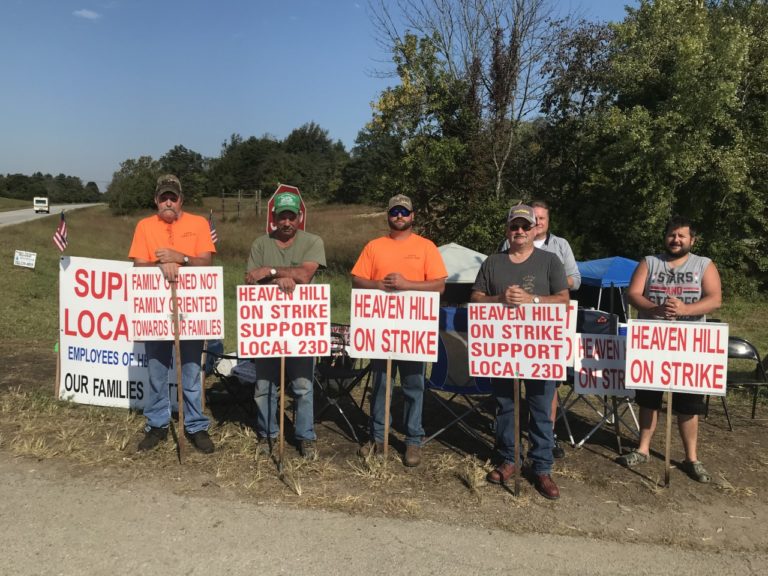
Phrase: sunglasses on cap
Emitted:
{"points": [[399, 211], [523, 227]]}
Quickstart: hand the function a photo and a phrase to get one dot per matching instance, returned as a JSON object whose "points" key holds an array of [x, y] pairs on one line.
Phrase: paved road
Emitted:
{"points": [[24, 215], [57, 524]]}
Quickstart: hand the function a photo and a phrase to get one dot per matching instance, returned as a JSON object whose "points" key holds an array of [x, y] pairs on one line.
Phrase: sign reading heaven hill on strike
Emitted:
{"points": [[528, 341], [272, 323], [677, 356], [199, 299], [600, 365], [394, 325]]}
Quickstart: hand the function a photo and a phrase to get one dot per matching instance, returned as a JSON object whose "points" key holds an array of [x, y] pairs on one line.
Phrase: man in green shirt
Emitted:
{"points": [[286, 257]]}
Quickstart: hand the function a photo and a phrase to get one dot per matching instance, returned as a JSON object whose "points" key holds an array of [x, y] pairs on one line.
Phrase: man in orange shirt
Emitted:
{"points": [[170, 239], [401, 260]]}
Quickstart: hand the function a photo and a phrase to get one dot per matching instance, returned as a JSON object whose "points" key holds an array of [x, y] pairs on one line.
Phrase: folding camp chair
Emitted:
{"points": [[741, 349], [238, 380], [450, 375], [337, 375]]}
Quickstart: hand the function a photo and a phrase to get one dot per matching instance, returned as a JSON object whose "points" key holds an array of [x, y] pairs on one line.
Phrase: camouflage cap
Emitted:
{"points": [[400, 200], [168, 183]]}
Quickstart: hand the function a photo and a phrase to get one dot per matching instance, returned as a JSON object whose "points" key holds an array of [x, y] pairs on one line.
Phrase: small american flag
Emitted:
{"points": [[60, 236], [214, 236]]}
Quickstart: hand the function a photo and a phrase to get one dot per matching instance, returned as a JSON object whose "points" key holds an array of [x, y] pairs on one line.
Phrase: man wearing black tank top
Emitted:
{"points": [[675, 285]]}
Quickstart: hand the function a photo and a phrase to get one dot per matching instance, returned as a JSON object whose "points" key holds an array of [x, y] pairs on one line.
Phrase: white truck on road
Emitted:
{"points": [[40, 204]]}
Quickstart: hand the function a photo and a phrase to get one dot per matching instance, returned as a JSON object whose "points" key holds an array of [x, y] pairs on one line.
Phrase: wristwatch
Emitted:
{"points": [[536, 300], [185, 261], [273, 272]]}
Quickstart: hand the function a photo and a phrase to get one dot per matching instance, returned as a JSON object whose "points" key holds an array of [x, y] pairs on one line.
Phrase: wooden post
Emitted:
{"points": [[516, 386], [179, 384], [203, 357], [281, 443], [669, 439], [387, 399]]}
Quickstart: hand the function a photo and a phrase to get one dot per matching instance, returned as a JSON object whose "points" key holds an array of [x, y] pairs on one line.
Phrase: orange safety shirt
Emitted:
{"points": [[415, 257], [190, 235]]}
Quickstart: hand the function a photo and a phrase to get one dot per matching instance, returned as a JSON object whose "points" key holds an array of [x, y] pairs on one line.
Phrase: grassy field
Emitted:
{"points": [[14, 204]]}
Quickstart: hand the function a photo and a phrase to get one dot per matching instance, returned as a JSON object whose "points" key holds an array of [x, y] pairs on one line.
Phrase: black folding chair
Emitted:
{"points": [[337, 375], [237, 379], [742, 349]]}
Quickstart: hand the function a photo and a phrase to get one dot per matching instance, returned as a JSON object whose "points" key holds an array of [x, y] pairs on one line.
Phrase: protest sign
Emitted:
{"points": [[600, 365], [527, 341], [200, 302], [272, 323], [677, 356], [99, 363], [394, 325]]}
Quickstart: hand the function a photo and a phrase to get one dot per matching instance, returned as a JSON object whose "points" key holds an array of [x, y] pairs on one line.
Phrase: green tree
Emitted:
{"points": [[132, 187]]}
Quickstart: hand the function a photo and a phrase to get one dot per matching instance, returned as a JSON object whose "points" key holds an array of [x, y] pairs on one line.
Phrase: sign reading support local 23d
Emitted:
{"points": [[301, 221]]}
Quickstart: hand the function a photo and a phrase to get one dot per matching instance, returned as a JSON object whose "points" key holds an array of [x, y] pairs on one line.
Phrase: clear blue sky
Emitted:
{"points": [[87, 84]]}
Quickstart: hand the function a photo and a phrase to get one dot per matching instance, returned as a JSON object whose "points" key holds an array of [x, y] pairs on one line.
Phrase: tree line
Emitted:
{"points": [[58, 189]]}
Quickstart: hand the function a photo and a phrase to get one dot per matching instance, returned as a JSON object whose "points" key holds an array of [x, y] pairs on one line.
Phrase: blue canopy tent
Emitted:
{"points": [[612, 273]]}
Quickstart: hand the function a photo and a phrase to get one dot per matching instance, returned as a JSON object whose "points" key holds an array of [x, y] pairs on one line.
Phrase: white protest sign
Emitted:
{"points": [[394, 325], [527, 341], [99, 364], [600, 365], [272, 323], [199, 298], [24, 259], [570, 331], [677, 356]]}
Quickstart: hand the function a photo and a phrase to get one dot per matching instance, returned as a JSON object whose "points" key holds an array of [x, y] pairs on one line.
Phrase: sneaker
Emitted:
{"points": [[633, 458], [546, 486], [308, 449], [557, 452], [412, 455], [501, 473], [370, 449], [201, 441], [152, 438]]}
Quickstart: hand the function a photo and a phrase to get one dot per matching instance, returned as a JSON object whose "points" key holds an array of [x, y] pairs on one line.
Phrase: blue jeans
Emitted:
{"points": [[157, 403], [539, 394], [299, 373], [412, 382]]}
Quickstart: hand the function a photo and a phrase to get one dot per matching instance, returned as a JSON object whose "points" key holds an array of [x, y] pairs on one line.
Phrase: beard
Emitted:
{"points": [[400, 224], [168, 215], [678, 251]]}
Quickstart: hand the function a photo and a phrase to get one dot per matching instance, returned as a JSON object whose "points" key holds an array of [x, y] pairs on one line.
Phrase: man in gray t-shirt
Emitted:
{"points": [[286, 257], [523, 275]]}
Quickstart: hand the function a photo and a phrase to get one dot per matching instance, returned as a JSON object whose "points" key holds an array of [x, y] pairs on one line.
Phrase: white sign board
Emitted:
{"points": [[99, 364], [677, 356], [199, 299], [24, 259], [272, 323], [600, 365], [528, 341], [394, 325]]}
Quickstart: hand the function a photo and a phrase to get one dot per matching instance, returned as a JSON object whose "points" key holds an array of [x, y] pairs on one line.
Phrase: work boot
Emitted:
{"points": [[370, 449], [412, 455], [557, 451], [201, 441], [546, 486], [152, 438], [308, 449]]}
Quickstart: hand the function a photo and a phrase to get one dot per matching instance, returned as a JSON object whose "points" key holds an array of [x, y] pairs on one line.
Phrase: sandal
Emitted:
{"points": [[696, 471], [633, 459]]}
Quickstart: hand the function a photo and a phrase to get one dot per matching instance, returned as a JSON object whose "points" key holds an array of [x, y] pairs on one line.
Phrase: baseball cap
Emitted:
{"points": [[287, 201], [400, 200], [522, 211], [168, 183]]}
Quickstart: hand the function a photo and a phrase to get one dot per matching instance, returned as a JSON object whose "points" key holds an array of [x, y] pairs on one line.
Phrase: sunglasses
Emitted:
{"points": [[399, 211], [523, 227]]}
